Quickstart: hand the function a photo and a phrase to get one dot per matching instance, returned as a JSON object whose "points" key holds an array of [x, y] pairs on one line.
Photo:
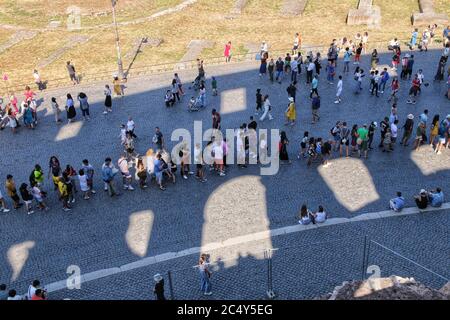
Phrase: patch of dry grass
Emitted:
{"points": [[260, 20]]}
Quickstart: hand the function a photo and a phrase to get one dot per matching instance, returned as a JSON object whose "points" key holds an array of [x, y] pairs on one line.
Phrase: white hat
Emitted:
{"points": [[423, 191], [410, 116], [448, 116], [375, 124], [157, 277], [407, 55], [291, 99]]}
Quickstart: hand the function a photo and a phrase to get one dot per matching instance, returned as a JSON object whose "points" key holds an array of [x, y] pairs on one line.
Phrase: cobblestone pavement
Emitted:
{"points": [[105, 232]]}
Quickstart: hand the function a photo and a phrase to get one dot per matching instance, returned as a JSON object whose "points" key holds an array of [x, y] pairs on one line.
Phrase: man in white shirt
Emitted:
{"points": [[394, 132], [130, 127], [309, 71], [218, 157], [125, 171], [339, 90]]}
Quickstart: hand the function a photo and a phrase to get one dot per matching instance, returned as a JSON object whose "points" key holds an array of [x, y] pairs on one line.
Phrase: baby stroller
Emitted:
{"points": [[197, 82], [195, 104]]}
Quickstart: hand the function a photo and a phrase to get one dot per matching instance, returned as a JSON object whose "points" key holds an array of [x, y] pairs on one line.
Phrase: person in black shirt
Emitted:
{"points": [[292, 90], [407, 130], [258, 100], [253, 124], [371, 133], [421, 199], [383, 126], [279, 66]]}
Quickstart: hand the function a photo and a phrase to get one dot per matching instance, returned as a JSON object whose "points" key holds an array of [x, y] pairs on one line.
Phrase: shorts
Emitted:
{"points": [[413, 91], [441, 140], [303, 145], [345, 142], [159, 177], [364, 145], [126, 175]]}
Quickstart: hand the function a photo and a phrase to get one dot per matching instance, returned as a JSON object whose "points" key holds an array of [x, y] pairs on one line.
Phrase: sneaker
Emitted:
{"points": [[185, 177], [73, 200], [66, 209], [190, 172], [125, 187], [204, 180], [30, 212], [86, 198], [130, 188], [106, 189], [5, 210], [105, 112], [208, 293], [222, 174], [93, 192], [336, 101]]}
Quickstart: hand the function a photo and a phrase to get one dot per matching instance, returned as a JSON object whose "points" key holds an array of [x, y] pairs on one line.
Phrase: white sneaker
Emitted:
{"points": [[105, 112], [185, 177], [5, 210], [208, 293], [130, 188], [336, 101], [125, 187], [93, 192], [191, 173], [222, 174], [30, 212], [73, 200]]}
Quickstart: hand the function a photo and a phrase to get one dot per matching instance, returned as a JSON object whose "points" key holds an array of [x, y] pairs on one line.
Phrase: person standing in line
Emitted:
{"points": [[291, 112], [26, 197], [180, 85], [339, 90], [345, 139], [3, 207], [215, 119], [267, 109], [394, 133], [294, 68], [363, 133], [284, 156], [84, 105], [330, 72], [198, 157], [141, 173], [271, 69], [347, 57], [72, 74], [56, 110], [108, 174], [214, 86], [315, 106], [38, 195], [314, 86], [358, 54], [205, 275], [279, 65], [108, 99], [70, 109], [63, 193], [89, 171], [292, 90], [420, 132], [125, 171], [159, 287], [434, 129], [259, 101], [84, 187], [10, 187], [158, 165], [309, 71], [371, 134], [407, 129], [227, 52]]}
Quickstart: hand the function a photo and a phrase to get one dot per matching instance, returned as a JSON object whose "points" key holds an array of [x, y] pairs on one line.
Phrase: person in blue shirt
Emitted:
{"points": [[398, 203], [158, 170], [436, 197], [414, 36], [384, 79]]}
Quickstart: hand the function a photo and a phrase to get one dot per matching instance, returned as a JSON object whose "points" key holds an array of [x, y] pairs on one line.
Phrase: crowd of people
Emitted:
{"points": [[345, 138]]}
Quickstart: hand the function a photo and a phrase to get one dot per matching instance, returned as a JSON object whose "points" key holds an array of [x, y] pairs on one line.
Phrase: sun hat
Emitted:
{"points": [[423, 191], [157, 277], [410, 116]]}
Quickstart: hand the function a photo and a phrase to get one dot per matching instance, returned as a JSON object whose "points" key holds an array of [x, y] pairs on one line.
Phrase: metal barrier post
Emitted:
{"points": [[172, 297], [270, 293], [363, 274]]}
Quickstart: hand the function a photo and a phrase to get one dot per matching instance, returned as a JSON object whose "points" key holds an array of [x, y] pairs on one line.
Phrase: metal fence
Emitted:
{"points": [[299, 272], [136, 71]]}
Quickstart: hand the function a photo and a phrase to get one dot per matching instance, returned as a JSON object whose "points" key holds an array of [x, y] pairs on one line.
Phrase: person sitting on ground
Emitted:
{"points": [[32, 289], [422, 199], [436, 197], [320, 216], [398, 203], [306, 216], [12, 295]]}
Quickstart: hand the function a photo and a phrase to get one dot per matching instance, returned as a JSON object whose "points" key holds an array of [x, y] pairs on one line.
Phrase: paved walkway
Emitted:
{"points": [[105, 232]]}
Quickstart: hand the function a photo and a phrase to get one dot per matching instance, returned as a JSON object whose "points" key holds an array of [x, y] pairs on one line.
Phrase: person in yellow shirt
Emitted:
{"points": [[63, 193], [291, 113]]}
